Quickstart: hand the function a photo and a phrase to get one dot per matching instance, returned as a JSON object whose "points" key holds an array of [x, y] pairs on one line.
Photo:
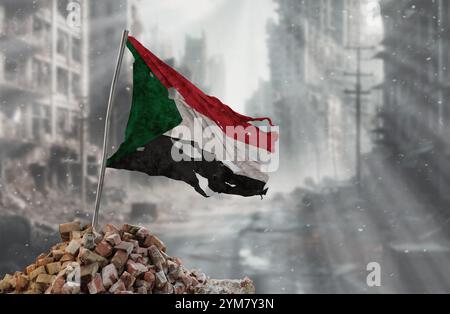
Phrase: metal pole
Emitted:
{"points": [[106, 133]]}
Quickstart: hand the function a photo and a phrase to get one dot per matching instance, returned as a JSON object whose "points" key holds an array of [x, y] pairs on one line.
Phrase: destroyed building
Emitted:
{"points": [[43, 94], [415, 98], [308, 56]]}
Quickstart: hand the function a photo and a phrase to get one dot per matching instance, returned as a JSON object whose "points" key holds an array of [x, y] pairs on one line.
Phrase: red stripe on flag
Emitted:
{"points": [[209, 106]]}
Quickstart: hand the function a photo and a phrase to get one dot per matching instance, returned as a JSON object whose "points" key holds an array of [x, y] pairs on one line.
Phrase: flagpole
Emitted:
{"points": [[98, 195]]}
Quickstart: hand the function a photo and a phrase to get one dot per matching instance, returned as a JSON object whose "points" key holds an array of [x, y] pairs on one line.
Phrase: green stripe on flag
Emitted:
{"points": [[152, 112]]}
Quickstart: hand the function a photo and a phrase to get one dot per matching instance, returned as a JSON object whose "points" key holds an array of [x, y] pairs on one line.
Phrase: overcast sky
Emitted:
{"points": [[234, 28]]}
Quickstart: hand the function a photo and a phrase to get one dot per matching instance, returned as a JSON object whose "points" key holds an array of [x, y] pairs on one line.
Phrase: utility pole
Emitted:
{"points": [[358, 92]]}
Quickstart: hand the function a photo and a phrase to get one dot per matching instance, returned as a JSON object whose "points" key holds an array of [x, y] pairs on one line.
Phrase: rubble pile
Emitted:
{"points": [[119, 261]]}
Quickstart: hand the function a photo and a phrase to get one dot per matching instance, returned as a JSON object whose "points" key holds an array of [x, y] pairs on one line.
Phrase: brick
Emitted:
{"points": [[172, 266], [123, 292], [130, 228], [141, 234], [141, 250], [21, 282], [5, 283], [177, 260], [156, 257], [120, 259], [179, 288], [45, 279], [53, 268], [73, 247], [142, 290], [128, 280], [71, 288], [109, 228], [57, 285], [57, 254], [135, 269], [127, 236], [150, 278], [160, 279], [95, 286], [201, 277], [113, 239], [44, 261], [187, 280], [154, 240], [89, 270], [39, 270], [104, 249], [134, 257], [30, 268], [167, 288], [174, 275], [117, 287], [89, 257], [67, 258], [142, 283], [135, 243], [143, 260], [125, 246], [66, 228], [75, 235], [109, 275], [97, 237]]}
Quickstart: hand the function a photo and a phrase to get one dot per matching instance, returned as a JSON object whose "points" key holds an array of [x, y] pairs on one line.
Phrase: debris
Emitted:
{"points": [[118, 261]]}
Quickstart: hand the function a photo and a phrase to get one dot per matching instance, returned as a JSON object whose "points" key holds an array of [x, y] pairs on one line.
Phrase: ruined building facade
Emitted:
{"points": [[308, 55], [42, 92], [415, 116]]}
